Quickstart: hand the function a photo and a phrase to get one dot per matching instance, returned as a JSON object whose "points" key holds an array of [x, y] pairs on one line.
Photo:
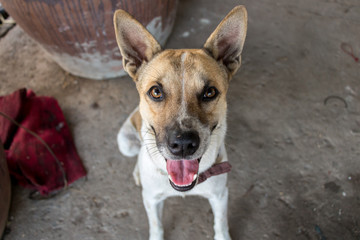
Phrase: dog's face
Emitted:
{"points": [[182, 97], [183, 100], [182, 92]]}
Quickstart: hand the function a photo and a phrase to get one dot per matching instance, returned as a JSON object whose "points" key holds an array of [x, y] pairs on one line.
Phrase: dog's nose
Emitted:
{"points": [[183, 144]]}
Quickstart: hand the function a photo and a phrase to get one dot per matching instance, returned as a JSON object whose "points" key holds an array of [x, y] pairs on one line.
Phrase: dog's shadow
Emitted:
{"points": [[192, 216], [239, 211]]}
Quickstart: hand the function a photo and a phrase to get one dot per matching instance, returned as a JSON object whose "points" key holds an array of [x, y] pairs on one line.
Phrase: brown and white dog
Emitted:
{"points": [[179, 127]]}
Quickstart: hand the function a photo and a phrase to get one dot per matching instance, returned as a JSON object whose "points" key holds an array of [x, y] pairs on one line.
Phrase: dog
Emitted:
{"points": [[179, 127]]}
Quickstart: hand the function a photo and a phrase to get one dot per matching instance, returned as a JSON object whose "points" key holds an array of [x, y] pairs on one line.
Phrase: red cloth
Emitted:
{"points": [[11, 105], [29, 160]]}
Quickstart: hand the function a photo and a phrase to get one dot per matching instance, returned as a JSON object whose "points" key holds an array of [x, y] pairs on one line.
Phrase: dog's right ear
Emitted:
{"points": [[137, 45], [225, 44]]}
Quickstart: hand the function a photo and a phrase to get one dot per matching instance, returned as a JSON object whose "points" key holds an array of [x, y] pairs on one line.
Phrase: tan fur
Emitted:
{"points": [[136, 121], [197, 70]]}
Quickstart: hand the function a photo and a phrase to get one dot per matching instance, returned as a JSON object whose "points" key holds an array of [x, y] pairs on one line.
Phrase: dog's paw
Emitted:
{"points": [[222, 236], [156, 235]]}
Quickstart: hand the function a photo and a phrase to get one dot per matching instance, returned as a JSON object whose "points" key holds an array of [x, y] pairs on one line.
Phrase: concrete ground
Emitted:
{"points": [[293, 136]]}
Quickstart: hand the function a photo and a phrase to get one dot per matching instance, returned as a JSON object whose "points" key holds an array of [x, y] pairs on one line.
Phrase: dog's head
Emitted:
{"points": [[182, 92]]}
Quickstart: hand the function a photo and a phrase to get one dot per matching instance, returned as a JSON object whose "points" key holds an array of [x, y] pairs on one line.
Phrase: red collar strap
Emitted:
{"points": [[216, 169]]}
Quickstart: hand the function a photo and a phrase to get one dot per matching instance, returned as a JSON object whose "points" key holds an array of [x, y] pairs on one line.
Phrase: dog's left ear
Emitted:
{"points": [[137, 45], [225, 44]]}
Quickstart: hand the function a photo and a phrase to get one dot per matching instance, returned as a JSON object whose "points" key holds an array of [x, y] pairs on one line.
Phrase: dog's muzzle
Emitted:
{"points": [[183, 172]]}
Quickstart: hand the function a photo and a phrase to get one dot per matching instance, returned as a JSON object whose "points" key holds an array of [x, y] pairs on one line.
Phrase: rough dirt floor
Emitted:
{"points": [[296, 169]]}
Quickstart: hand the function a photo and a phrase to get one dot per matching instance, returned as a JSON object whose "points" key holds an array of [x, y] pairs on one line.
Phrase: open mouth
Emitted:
{"points": [[183, 174]]}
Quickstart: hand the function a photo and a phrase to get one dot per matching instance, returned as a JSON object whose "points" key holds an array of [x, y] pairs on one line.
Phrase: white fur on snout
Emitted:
{"points": [[183, 58]]}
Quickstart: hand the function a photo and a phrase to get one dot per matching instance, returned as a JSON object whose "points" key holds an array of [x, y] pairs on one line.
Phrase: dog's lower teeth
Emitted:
{"points": [[182, 185], [194, 178]]}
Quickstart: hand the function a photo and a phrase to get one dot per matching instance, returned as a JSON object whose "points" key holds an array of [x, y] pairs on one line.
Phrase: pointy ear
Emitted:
{"points": [[225, 44], [137, 45]]}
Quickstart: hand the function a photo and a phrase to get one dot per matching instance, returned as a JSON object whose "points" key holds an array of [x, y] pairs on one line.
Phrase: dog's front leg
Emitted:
{"points": [[219, 204], [154, 207]]}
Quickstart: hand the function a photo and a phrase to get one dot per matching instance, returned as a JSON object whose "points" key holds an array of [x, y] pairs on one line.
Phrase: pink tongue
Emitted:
{"points": [[182, 171]]}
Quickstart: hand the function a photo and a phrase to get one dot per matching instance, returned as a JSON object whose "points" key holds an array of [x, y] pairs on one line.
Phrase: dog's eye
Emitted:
{"points": [[155, 93], [210, 93]]}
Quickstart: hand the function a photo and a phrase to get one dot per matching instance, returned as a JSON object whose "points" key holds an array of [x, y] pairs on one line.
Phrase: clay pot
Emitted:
{"points": [[5, 191], [79, 35]]}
